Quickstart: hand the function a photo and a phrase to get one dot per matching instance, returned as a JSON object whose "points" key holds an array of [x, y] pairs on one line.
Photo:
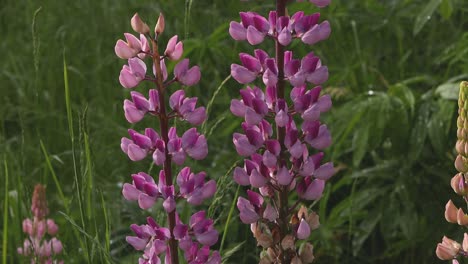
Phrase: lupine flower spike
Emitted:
{"points": [[41, 246], [165, 147], [450, 249], [282, 137]]}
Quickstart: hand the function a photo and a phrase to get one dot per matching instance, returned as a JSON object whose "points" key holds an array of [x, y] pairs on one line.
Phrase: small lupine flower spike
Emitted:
{"points": [[450, 249], [282, 138], [165, 147], [41, 246]]}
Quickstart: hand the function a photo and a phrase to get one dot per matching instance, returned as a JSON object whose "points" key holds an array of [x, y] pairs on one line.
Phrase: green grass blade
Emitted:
{"points": [[5, 216], [210, 103], [228, 220], [54, 176], [72, 138]]}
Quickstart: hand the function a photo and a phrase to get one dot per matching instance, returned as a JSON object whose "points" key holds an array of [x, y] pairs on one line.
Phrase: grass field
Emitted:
{"points": [[394, 67]]}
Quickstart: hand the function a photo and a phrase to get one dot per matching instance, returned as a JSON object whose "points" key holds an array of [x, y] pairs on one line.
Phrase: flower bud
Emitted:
{"points": [[296, 260], [460, 147], [159, 28], [306, 253], [459, 185], [461, 164], [287, 242], [451, 212], [462, 218], [138, 25], [448, 249]]}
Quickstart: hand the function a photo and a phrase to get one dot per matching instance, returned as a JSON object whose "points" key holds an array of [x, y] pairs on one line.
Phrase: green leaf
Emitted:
{"points": [[446, 9], [425, 15], [448, 91]]}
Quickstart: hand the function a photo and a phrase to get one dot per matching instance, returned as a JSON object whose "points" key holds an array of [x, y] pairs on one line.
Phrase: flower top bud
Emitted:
{"points": [[138, 25], [39, 203], [159, 28], [459, 185], [462, 107]]}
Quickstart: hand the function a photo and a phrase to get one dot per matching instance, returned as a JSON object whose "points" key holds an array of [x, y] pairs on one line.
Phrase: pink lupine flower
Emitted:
{"points": [[292, 161], [185, 108], [133, 73], [166, 148], [174, 49], [39, 247], [185, 75]]}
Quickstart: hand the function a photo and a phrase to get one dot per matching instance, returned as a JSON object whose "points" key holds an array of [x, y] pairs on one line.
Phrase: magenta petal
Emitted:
{"points": [[130, 192], [325, 171], [123, 51], [324, 103], [254, 36], [159, 246], [269, 159], [251, 117], [209, 189], [180, 231], [159, 157], [132, 114], [137, 243], [127, 79], [135, 153], [171, 45], [269, 78], [199, 150], [323, 139], [283, 176], [238, 108], [242, 74], [282, 118], [319, 76], [189, 138], [138, 68], [303, 231], [214, 259], [197, 117], [208, 238], [320, 3], [257, 180], [250, 62], [311, 114], [176, 99], [145, 201], [181, 68], [247, 211], [237, 31], [178, 51], [284, 37], [169, 204], [243, 146], [241, 177], [314, 190], [270, 213], [191, 77]]}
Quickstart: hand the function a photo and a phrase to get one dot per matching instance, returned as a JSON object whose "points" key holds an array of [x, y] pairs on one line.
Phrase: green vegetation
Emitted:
{"points": [[395, 66]]}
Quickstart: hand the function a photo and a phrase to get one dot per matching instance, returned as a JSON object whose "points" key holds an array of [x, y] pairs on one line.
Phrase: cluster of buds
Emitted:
{"points": [[290, 161], [165, 148], [39, 249], [449, 249]]}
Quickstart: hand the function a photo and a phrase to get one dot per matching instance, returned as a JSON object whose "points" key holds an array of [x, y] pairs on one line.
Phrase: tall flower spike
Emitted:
{"points": [[287, 159], [450, 249], [41, 246], [165, 147]]}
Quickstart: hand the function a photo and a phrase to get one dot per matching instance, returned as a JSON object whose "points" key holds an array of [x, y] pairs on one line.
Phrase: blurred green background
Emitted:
{"points": [[394, 67]]}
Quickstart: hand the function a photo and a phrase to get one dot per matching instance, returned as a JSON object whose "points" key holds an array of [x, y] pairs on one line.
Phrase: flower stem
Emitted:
{"points": [[164, 126], [281, 132]]}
